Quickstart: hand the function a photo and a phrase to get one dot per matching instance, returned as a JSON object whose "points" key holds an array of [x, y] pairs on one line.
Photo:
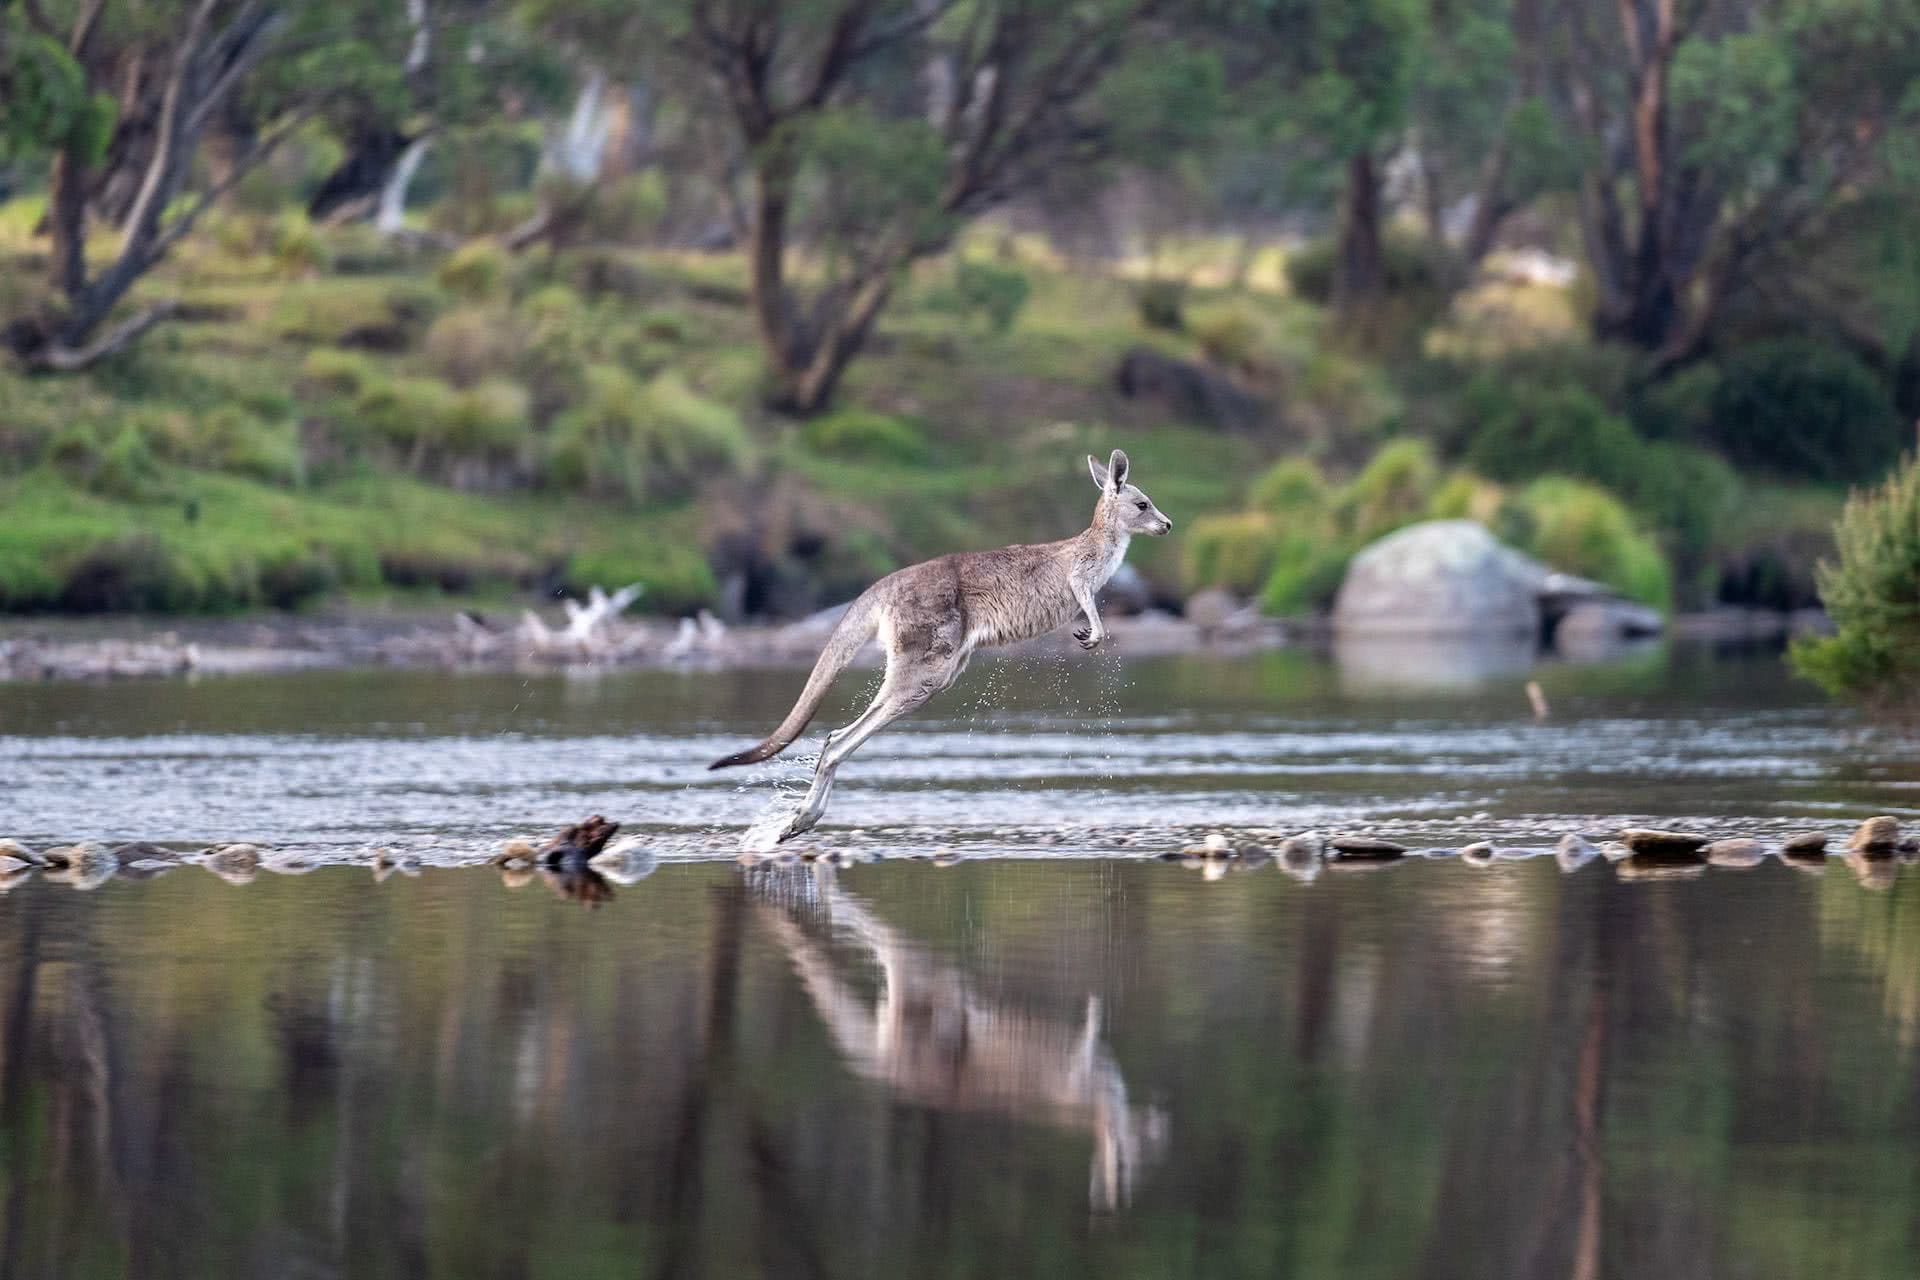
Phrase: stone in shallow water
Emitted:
{"points": [[1738, 853], [1478, 854], [1876, 835], [1650, 842], [1299, 857], [19, 853], [1574, 852], [1874, 869], [143, 851], [1808, 844], [1363, 848], [1640, 866], [84, 866], [234, 863]]}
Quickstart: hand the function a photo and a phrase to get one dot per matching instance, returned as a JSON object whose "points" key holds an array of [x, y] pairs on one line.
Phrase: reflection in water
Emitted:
{"points": [[1445, 1071], [932, 1040]]}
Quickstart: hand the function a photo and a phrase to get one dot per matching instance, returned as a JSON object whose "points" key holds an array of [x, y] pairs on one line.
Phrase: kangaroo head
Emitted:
{"points": [[1123, 507]]}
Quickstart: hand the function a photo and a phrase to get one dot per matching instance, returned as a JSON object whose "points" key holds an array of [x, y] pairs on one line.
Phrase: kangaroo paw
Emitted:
{"points": [[1087, 639]]}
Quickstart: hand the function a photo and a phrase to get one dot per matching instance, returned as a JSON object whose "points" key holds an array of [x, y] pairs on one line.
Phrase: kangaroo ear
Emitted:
{"points": [[1117, 469], [1099, 472]]}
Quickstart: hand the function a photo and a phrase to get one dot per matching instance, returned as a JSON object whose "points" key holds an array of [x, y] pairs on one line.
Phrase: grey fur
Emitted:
{"points": [[932, 616]]}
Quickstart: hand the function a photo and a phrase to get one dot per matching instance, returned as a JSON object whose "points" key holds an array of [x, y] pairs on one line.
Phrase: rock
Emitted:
{"points": [[1875, 835], [84, 866], [517, 874], [1875, 870], [1212, 608], [1739, 853], [142, 851], [234, 863], [1649, 842], [1595, 626], [12, 851], [1127, 593], [1188, 390], [1363, 848], [1215, 845], [516, 852], [1478, 854], [10, 880], [1808, 844], [1440, 577], [1641, 866], [579, 842], [1299, 857], [1574, 852], [625, 862]]}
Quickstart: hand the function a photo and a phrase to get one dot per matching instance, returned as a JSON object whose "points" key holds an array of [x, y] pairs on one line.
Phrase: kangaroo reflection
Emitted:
{"points": [[934, 1041]]}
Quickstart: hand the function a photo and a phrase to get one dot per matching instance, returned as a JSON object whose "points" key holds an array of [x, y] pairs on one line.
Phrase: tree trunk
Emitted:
{"points": [[67, 221], [393, 197], [773, 313], [1361, 273], [365, 171]]}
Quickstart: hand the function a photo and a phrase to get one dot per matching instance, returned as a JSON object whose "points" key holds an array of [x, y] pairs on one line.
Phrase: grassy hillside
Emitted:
{"points": [[331, 414]]}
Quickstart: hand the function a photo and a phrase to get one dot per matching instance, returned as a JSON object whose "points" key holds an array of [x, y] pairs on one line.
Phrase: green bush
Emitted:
{"points": [[296, 246], [489, 418], [476, 271], [862, 433], [1581, 529], [1162, 304], [470, 343], [1305, 576], [1233, 338], [627, 210], [1805, 411], [341, 372], [232, 440], [1232, 550], [1872, 593], [986, 291], [1412, 265], [409, 413], [1392, 490], [635, 440], [1292, 488], [112, 461]]}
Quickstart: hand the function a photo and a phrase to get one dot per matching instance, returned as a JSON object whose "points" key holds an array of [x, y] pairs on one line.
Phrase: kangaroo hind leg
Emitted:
{"points": [[910, 682]]}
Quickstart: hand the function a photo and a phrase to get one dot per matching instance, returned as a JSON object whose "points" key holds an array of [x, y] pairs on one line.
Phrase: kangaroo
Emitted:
{"points": [[931, 617], [935, 1041]]}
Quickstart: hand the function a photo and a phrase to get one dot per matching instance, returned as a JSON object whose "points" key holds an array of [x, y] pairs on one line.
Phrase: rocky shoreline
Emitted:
{"points": [[471, 641]]}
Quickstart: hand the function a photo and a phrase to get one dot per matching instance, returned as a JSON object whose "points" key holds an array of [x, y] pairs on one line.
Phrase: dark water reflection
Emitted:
{"points": [[996, 1069]]}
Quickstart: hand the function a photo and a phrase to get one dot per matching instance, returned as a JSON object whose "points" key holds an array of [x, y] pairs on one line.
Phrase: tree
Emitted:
{"points": [[874, 130], [1712, 133], [258, 70]]}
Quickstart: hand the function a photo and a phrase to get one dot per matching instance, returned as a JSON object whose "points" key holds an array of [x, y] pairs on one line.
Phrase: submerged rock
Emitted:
{"points": [[1808, 844], [1738, 853], [1574, 852], [1478, 854], [1876, 835], [144, 852], [84, 866], [234, 863], [1650, 842], [15, 856], [1363, 848], [1299, 857], [1640, 866]]}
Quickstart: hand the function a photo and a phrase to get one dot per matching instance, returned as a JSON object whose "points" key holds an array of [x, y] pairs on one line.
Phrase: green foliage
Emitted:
{"points": [[1161, 304], [470, 343], [636, 440], [676, 575], [1872, 593], [1392, 490], [1413, 266], [342, 372], [1234, 338], [987, 292], [296, 246], [45, 103], [1234, 550], [628, 209], [1806, 411], [1292, 488], [1582, 529], [862, 433], [477, 271]]}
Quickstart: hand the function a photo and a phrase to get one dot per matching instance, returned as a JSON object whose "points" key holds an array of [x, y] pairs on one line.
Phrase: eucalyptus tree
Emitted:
{"points": [[1714, 131], [875, 130]]}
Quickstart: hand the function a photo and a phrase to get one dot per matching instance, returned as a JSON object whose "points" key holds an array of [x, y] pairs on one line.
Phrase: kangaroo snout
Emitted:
{"points": [[1166, 527]]}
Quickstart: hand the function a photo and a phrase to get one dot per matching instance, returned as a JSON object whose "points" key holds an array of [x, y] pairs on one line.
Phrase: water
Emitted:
{"points": [[1031, 757], [1026, 1064]]}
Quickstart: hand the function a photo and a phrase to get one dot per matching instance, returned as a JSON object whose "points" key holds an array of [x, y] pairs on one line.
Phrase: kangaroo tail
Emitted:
{"points": [[854, 629]]}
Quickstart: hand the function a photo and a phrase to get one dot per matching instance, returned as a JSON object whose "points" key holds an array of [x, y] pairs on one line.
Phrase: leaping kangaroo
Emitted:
{"points": [[932, 616]]}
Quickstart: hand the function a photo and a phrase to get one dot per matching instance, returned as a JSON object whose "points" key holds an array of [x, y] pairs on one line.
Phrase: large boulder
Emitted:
{"points": [[1441, 577]]}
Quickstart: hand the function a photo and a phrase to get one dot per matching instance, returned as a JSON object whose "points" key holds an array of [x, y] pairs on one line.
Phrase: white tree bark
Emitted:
{"points": [[391, 215]]}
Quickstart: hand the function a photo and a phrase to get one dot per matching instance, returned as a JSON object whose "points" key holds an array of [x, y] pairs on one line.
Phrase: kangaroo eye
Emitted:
{"points": [[1142, 506]]}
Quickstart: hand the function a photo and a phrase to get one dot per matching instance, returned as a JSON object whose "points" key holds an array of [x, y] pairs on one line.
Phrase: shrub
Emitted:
{"points": [[862, 433], [1234, 551], [1582, 529], [627, 210], [490, 418], [1412, 265], [1391, 490], [407, 412], [1872, 592], [132, 574], [1305, 576], [1161, 304], [1292, 488], [341, 372], [114, 463], [476, 271], [988, 292], [637, 440], [1806, 411], [296, 246], [1233, 338], [471, 343], [233, 440], [676, 576]]}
